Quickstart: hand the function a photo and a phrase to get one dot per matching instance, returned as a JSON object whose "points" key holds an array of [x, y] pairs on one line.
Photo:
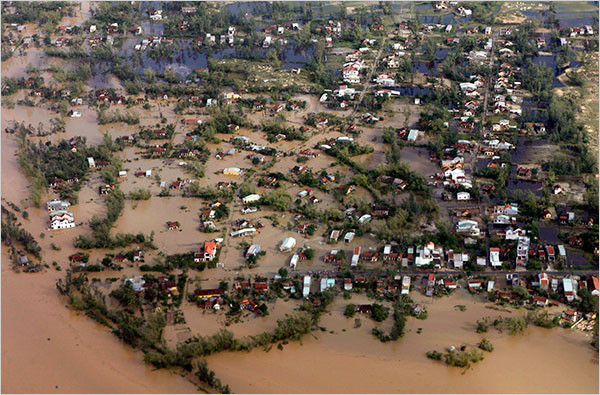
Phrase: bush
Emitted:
{"points": [[434, 355], [140, 194], [350, 310], [486, 345], [483, 325], [379, 312]]}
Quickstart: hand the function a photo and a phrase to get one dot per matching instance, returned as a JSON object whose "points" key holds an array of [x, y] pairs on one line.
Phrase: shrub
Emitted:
{"points": [[486, 345]]}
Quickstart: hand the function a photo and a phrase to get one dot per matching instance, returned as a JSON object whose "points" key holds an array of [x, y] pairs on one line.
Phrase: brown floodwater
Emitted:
{"points": [[47, 348], [353, 361]]}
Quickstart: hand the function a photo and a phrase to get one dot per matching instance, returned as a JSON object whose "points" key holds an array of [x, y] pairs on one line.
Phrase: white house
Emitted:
{"points": [[463, 196], [413, 135], [468, 227], [251, 198], [306, 286], [294, 261], [495, 257], [327, 283], [243, 232], [522, 250], [55, 205], [405, 285], [287, 244], [137, 283], [61, 219]]}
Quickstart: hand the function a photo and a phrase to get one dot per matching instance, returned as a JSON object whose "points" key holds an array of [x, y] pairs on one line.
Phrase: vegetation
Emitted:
{"points": [[140, 194], [486, 345], [13, 232], [379, 312]]}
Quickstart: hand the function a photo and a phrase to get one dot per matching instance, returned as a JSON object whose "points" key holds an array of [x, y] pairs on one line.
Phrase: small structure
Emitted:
{"points": [[232, 171], [243, 232], [306, 286], [287, 244], [254, 249], [405, 285], [251, 198]]}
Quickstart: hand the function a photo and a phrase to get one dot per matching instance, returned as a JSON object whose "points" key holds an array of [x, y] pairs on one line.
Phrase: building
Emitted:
{"points": [[294, 261], [468, 227], [254, 249], [232, 171], [209, 293], [413, 135], [287, 244], [592, 284], [306, 286], [207, 253], [251, 198], [243, 232], [327, 283], [544, 281], [355, 256], [55, 205], [522, 250], [405, 285], [495, 257], [61, 219], [428, 255], [137, 283], [568, 289], [540, 301]]}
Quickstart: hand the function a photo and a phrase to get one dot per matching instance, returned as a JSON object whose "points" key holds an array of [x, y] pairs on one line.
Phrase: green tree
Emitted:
{"points": [[350, 310], [379, 312]]}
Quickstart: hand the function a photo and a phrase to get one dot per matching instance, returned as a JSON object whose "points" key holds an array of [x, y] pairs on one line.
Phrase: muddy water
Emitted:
{"points": [[353, 361], [69, 353]]}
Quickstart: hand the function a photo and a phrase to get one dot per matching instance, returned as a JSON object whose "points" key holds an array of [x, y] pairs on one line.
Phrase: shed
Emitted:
{"points": [[287, 244], [251, 198], [413, 135]]}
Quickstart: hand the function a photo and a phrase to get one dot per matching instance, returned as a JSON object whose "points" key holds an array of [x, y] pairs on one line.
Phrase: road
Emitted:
{"points": [[369, 77], [378, 273], [487, 91]]}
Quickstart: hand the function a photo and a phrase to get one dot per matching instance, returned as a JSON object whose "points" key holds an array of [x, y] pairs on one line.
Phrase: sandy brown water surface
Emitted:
{"points": [[353, 361]]}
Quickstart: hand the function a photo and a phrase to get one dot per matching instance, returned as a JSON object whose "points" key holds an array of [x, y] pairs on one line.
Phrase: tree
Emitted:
{"points": [[310, 253], [589, 303], [149, 74], [379, 312], [283, 272], [486, 345], [350, 310], [361, 180]]}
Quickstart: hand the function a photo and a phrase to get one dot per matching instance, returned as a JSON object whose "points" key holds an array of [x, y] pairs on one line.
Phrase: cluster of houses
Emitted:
{"points": [[353, 66], [151, 42], [575, 31]]}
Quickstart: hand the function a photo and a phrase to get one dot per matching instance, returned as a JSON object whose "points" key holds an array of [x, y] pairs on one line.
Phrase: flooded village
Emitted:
{"points": [[236, 196]]}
